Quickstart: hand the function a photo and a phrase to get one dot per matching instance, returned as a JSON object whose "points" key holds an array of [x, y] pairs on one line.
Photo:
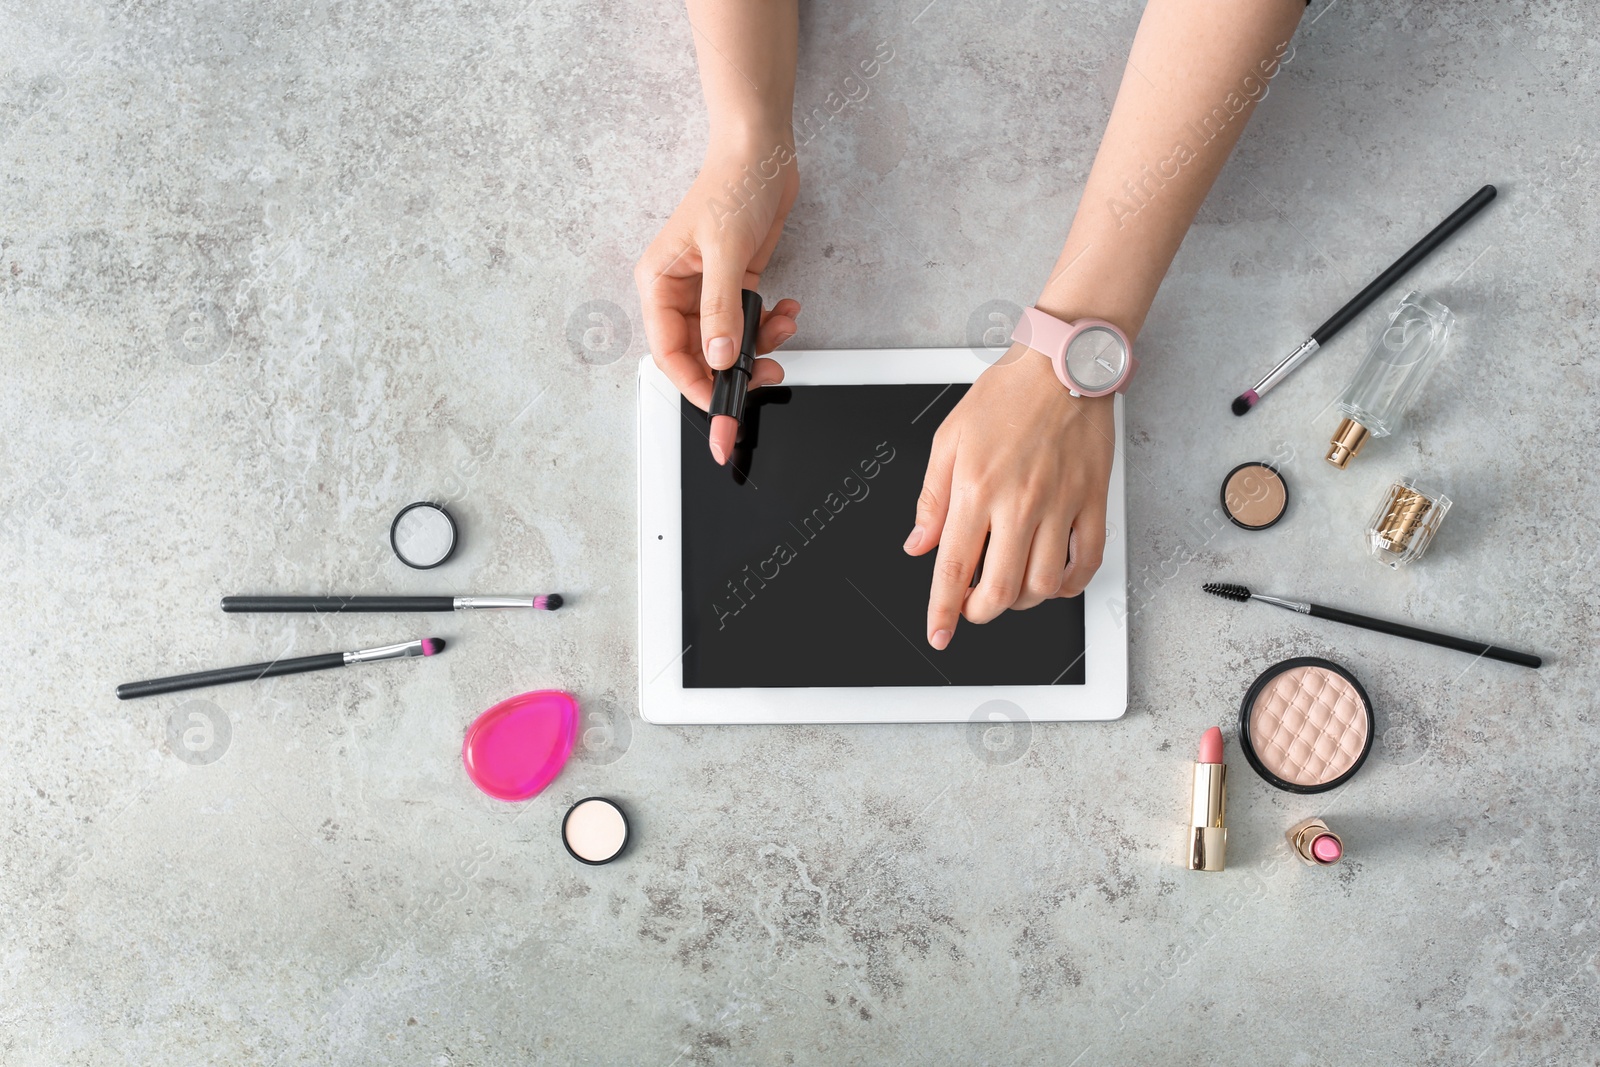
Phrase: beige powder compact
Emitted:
{"points": [[1306, 725], [1254, 496]]}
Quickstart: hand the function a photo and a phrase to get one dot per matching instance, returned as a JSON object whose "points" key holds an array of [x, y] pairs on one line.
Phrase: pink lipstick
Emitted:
{"points": [[1314, 843], [1208, 801], [731, 386], [724, 430]]}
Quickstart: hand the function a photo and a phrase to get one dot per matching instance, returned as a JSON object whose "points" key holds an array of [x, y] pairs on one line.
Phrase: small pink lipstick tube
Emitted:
{"points": [[1208, 802], [1314, 843]]}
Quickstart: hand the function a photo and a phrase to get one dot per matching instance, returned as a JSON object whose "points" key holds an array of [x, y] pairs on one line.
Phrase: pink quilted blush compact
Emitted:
{"points": [[1306, 725]]}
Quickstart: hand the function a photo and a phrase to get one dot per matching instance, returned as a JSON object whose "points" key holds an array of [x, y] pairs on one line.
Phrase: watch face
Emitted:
{"points": [[1095, 359]]}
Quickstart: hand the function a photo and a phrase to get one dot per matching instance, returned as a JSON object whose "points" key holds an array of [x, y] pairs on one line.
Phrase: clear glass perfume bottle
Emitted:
{"points": [[1405, 353]]}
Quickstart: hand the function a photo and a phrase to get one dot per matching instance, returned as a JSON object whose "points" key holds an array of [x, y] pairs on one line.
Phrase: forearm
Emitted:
{"points": [[1194, 75], [746, 53]]}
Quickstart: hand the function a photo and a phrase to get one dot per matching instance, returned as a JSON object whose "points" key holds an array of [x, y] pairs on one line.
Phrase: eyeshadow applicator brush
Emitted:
{"points": [[1229, 591], [1358, 303], [427, 646], [387, 603]]}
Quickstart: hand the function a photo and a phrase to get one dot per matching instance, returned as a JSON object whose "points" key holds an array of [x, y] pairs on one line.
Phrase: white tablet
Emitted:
{"points": [[775, 589]]}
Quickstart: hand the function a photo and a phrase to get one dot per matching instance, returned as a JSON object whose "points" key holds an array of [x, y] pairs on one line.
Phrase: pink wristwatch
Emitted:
{"points": [[1092, 357]]}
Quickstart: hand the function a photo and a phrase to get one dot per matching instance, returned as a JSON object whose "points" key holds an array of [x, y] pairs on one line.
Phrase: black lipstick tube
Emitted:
{"points": [[731, 386]]}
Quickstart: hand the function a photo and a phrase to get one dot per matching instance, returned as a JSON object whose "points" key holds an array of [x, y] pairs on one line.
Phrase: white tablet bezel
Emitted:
{"points": [[662, 696]]}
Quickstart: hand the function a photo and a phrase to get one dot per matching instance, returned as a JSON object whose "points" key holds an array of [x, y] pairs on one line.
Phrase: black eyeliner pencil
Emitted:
{"points": [[1358, 303], [1229, 591]]}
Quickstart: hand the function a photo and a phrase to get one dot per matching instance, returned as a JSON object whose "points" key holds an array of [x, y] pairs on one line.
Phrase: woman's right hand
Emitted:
{"points": [[716, 243]]}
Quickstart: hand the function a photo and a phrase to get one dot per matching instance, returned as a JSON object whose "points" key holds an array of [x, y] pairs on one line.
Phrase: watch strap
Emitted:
{"points": [[1043, 333]]}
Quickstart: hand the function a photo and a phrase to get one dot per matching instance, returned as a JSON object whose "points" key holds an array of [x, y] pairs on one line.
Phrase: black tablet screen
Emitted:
{"points": [[793, 574]]}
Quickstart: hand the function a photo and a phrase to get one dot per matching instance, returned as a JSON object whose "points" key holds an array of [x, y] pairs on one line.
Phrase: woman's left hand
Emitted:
{"points": [[1026, 464]]}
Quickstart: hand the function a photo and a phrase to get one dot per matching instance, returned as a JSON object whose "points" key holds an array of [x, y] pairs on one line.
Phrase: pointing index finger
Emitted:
{"points": [[953, 567]]}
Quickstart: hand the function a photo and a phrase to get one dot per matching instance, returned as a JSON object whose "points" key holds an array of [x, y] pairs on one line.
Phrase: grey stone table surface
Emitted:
{"points": [[270, 271]]}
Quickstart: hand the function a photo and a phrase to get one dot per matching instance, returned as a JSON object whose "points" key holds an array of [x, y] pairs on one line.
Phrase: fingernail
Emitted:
{"points": [[914, 540], [784, 336], [720, 353], [940, 639]]}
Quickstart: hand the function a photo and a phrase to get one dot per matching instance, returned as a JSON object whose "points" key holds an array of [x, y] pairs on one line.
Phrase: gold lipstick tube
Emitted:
{"points": [[1208, 836]]}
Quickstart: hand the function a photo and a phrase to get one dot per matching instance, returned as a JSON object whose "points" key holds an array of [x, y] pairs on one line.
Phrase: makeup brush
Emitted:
{"points": [[1228, 591], [388, 603], [1358, 303], [427, 646]]}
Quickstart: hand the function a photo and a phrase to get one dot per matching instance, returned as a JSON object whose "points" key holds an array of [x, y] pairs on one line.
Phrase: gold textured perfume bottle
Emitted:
{"points": [[1402, 528]]}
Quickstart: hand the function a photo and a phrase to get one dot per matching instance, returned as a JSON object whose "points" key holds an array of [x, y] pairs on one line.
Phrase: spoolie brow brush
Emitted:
{"points": [[427, 646], [1229, 591]]}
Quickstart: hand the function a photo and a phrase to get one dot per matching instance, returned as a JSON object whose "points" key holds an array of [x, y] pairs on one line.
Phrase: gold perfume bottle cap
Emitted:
{"points": [[1404, 516], [1347, 441]]}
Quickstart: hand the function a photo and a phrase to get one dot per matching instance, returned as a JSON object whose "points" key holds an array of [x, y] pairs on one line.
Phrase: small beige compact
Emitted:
{"points": [[595, 830], [1306, 725], [1254, 495]]}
